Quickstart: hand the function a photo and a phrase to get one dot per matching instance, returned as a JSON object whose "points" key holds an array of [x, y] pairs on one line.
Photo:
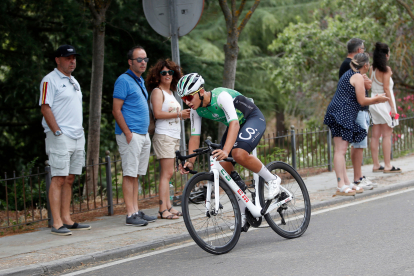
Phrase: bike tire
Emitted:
{"points": [[213, 233], [298, 211]]}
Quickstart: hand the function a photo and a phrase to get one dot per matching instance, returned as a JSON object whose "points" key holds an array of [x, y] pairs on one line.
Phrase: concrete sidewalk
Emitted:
{"points": [[41, 253]]}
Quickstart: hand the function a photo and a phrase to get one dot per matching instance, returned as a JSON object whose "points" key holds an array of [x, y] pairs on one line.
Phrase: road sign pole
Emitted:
{"points": [[175, 53]]}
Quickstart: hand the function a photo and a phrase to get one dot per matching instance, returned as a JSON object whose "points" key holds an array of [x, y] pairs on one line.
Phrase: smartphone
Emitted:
{"points": [[396, 116]]}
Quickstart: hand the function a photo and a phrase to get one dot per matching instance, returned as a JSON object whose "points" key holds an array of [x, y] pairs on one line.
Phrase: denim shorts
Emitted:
{"points": [[362, 120]]}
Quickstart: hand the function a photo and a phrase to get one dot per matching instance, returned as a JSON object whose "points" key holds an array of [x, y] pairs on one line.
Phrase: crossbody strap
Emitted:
{"points": [[138, 85]]}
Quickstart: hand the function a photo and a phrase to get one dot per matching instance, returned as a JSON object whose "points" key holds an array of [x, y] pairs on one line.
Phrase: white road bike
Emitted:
{"points": [[211, 211]]}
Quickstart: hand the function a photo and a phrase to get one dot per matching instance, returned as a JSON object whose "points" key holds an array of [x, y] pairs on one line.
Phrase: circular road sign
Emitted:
{"points": [[158, 15]]}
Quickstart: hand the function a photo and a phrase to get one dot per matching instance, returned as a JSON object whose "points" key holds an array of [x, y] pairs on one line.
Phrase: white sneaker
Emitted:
{"points": [[274, 187], [369, 182], [364, 184]]}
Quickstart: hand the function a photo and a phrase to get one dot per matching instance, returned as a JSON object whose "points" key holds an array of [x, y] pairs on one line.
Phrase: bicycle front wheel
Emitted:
{"points": [[291, 219], [216, 233]]}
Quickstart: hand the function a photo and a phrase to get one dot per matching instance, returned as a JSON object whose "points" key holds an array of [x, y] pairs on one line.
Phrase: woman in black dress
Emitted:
{"points": [[341, 115]]}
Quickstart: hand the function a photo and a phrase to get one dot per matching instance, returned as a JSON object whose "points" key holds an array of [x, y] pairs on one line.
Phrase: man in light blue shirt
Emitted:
{"points": [[131, 112]]}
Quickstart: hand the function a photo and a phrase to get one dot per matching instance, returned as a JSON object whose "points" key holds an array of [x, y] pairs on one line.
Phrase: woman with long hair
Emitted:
{"points": [[341, 115], [162, 81], [384, 115]]}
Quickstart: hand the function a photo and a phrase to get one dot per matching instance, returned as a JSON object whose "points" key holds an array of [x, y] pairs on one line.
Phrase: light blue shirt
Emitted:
{"points": [[135, 108]]}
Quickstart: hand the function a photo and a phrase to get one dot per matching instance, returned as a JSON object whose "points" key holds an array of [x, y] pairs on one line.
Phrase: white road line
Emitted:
{"points": [[251, 229]]}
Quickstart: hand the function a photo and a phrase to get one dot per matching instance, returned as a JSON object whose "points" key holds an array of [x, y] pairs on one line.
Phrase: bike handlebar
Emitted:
{"points": [[210, 147]]}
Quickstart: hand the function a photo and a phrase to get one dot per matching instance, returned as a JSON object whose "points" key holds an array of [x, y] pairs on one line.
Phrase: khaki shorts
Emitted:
{"points": [[66, 155], [165, 146], [135, 155]]}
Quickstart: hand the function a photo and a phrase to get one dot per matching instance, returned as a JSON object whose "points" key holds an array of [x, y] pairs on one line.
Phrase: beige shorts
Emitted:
{"points": [[66, 155], [135, 155], [165, 146]]}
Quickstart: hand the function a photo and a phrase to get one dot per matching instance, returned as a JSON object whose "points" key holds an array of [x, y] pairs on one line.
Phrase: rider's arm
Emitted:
{"points": [[194, 141], [225, 101], [234, 129]]}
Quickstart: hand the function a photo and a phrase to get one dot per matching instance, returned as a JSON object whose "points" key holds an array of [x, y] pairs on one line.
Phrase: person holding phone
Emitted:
{"points": [[384, 115]]}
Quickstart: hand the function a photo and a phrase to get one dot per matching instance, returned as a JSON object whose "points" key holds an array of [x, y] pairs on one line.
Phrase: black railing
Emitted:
{"points": [[25, 198]]}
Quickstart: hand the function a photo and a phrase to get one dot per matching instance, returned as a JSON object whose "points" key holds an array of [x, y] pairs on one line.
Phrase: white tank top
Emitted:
{"points": [[380, 112], [170, 127]]}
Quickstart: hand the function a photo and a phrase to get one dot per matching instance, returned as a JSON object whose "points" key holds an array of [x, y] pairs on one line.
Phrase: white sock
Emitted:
{"points": [[266, 175]]}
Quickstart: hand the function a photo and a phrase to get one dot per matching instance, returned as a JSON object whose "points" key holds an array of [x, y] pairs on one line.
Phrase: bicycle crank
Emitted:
{"points": [[255, 222]]}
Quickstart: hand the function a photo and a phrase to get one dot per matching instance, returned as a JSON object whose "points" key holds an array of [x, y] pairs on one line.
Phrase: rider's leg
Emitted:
{"points": [[228, 166], [252, 163]]}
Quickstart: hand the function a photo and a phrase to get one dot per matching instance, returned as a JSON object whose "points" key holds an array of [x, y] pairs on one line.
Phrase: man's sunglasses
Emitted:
{"points": [[75, 85], [169, 72], [139, 60], [190, 97]]}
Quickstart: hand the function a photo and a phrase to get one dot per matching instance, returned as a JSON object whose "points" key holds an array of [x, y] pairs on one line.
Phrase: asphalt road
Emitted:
{"points": [[374, 237]]}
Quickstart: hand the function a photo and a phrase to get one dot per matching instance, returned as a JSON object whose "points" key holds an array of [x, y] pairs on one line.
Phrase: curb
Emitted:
{"points": [[77, 261], [365, 194]]}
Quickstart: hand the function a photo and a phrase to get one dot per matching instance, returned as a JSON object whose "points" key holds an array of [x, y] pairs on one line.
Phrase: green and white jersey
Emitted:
{"points": [[226, 105]]}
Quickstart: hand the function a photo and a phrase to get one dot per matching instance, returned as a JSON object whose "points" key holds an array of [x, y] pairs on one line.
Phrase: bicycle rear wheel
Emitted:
{"points": [[291, 219], [215, 233]]}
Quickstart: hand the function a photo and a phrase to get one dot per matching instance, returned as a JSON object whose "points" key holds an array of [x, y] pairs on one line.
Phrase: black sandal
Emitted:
{"points": [[393, 170], [180, 214], [167, 217], [380, 169]]}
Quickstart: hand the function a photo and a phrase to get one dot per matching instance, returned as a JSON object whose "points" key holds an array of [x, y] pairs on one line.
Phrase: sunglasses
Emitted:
{"points": [[75, 85], [190, 97], [169, 72], [139, 60]]}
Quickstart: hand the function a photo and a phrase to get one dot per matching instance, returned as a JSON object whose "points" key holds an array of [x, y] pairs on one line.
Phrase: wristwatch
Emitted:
{"points": [[58, 132]]}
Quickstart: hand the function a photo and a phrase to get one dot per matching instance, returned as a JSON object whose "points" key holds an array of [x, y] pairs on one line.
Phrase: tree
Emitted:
{"points": [[312, 52], [98, 10], [231, 48], [407, 8], [255, 63]]}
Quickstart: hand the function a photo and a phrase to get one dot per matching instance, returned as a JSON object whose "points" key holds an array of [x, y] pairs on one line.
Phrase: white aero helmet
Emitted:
{"points": [[189, 83]]}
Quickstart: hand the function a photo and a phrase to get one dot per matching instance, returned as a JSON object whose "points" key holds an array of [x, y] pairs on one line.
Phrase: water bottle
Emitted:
{"points": [[239, 181], [171, 192]]}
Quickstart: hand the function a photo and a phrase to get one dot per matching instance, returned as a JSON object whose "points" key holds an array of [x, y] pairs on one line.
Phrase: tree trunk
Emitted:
{"points": [[98, 9], [231, 51], [280, 122]]}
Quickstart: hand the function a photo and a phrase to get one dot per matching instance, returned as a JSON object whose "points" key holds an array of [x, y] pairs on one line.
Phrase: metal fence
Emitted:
{"points": [[25, 200]]}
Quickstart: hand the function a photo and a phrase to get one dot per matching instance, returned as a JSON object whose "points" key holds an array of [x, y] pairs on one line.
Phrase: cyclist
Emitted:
{"points": [[245, 126]]}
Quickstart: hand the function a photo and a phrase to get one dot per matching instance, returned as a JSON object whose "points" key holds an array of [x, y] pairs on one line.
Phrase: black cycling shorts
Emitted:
{"points": [[250, 132]]}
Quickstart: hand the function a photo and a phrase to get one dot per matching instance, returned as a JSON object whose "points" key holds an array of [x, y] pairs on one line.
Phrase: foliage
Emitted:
{"points": [[312, 52]]}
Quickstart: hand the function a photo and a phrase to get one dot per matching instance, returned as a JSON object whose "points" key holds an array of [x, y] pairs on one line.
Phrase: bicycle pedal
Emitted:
{"points": [[246, 227]]}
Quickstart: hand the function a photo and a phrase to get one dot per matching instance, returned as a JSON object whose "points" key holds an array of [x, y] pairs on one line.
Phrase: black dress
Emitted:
{"points": [[343, 111]]}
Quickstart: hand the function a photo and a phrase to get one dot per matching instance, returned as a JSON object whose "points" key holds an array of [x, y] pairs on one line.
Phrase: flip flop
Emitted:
{"points": [[393, 170], [344, 191], [380, 169]]}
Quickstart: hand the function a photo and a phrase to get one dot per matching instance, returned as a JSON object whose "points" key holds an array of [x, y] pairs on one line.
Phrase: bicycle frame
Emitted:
{"points": [[255, 209]]}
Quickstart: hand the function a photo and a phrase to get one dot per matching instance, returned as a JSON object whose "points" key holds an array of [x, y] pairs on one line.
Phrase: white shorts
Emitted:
{"points": [[135, 155], [165, 146], [66, 155]]}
